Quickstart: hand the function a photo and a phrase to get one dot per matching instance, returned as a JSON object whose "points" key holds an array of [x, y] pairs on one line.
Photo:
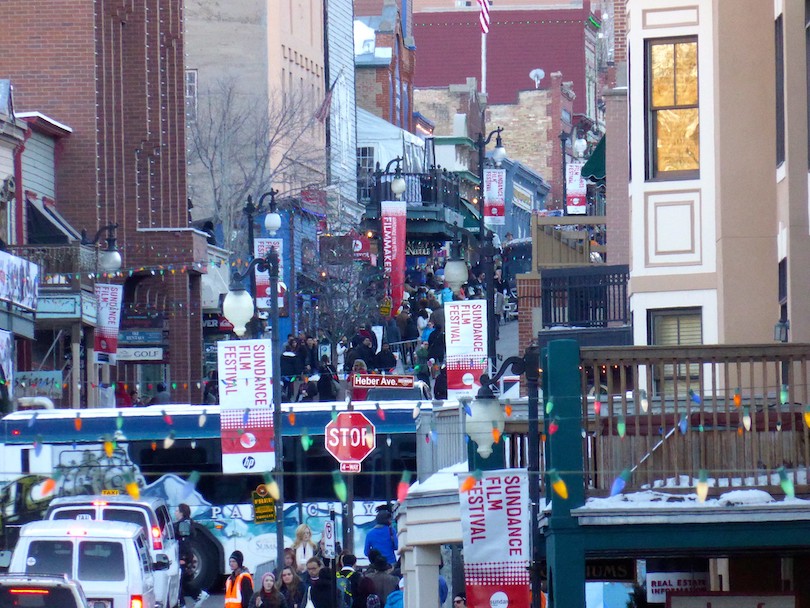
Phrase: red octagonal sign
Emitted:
{"points": [[350, 438]]}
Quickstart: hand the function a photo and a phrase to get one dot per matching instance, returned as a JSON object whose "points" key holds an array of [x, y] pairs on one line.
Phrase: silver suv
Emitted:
{"points": [[151, 513], [41, 591]]}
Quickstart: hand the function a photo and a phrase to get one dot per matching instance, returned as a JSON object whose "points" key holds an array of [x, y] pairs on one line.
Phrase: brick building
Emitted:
{"points": [[113, 71]]}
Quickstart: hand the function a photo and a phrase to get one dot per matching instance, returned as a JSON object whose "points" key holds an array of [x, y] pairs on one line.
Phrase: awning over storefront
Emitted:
{"points": [[471, 215], [594, 168]]}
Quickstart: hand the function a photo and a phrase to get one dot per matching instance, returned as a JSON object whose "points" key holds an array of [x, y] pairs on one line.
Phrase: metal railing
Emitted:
{"points": [[586, 296], [61, 266]]}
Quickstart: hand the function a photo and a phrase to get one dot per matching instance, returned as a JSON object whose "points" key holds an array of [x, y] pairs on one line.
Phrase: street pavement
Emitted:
{"points": [[507, 344]]}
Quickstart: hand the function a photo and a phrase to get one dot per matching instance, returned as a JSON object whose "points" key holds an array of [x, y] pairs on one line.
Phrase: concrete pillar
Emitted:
{"points": [[75, 392], [92, 368], [422, 577]]}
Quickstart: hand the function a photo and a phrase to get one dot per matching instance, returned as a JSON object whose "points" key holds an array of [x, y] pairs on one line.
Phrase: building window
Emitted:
{"points": [[191, 95], [365, 173], [779, 55], [673, 120], [675, 327]]}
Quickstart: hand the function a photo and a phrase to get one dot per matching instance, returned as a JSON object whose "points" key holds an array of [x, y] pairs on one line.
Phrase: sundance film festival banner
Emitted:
{"points": [[245, 373], [497, 540], [393, 216], [494, 197], [575, 189], [466, 346], [261, 247], [110, 298]]}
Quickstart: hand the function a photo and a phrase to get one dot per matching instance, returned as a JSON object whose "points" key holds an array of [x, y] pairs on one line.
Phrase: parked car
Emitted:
{"points": [[151, 513], [110, 559], [41, 591], [419, 391]]}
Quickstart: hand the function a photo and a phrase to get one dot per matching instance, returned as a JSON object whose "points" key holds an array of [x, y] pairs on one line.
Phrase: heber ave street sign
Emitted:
{"points": [[378, 380], [350, 438]]}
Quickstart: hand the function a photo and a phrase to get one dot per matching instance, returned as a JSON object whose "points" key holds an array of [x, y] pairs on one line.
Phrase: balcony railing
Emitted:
{"points": [[70, 266], [738, 412], [434, 187], [568, 241], [585, 296]]}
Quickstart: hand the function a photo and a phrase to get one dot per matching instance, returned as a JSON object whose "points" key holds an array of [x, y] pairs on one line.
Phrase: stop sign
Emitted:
{"points": [[350, 438]]}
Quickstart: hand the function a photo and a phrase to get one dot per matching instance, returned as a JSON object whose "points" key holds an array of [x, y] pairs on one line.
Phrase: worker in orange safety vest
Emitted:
{"points": [[239, 585]]}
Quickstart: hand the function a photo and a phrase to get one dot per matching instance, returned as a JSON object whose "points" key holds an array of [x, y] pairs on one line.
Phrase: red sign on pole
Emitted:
{"points": [[350, 438], [378, 380]]}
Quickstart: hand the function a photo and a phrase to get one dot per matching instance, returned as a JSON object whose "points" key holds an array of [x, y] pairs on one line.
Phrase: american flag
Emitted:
{"points": [[483, 16], [323, 111]]}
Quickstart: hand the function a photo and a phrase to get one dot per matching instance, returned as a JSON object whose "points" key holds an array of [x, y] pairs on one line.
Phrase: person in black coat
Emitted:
{"points": [[320, 585], [291, 367], [365, 351], [328, 374], [385, 359]]}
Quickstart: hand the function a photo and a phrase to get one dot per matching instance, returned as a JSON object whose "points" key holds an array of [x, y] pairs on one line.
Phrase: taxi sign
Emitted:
{"points": [[112, 492]]}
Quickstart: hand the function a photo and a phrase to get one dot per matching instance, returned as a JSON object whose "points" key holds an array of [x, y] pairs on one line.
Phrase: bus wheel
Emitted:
{"points": [[204, 567]]}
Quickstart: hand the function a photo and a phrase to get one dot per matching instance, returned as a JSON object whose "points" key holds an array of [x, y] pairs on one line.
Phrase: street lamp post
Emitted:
{"points": [[486, 409], [239, 308], [487, 249], [110, 258]]}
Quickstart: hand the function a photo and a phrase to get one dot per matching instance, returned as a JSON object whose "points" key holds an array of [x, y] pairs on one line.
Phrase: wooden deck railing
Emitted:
{"points": [[567, 241], [737, 412]]}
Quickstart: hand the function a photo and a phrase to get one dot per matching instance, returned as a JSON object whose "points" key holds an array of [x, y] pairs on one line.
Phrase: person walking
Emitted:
{"points": [[239, 585], [184, 532], [348, 582], [268, 596], [291, 586], [380, 575]]}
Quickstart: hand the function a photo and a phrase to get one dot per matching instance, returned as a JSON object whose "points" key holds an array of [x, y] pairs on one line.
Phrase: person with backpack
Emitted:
{"points": [[184, 531], [380, 575], [348, 582]]}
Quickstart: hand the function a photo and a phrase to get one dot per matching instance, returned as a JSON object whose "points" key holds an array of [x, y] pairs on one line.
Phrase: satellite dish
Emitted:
{"points": [[537, 75]]}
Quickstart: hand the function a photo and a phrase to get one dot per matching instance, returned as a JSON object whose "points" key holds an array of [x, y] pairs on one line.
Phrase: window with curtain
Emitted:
{"points": [[673, 118], [676, 327]]}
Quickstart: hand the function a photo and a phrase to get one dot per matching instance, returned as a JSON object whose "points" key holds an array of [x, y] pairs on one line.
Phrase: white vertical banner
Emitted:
{"points": [[494, 197], [575, 189], [465, 336], [110, 299], [261, 247], [245, 369], [247, 440], [7, 355], [495, 528]]}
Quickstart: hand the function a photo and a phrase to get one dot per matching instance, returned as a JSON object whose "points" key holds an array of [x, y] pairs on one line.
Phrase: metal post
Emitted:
{"points": [[250, 210], [532, 371], [278, 445], [563, 139], [487, 256]]}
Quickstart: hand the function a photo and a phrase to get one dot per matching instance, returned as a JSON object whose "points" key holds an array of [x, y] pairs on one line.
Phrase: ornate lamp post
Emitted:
{"points": [[487, 414], [109, 260], [239, 307], [487, 252]]}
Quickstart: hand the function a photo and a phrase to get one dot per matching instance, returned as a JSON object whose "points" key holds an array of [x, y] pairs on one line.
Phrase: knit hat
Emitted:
{"points": [[269, 575], [238, 557]]}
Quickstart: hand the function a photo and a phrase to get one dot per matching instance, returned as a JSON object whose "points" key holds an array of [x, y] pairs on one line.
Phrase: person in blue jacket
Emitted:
{"points": [[383, 538]]}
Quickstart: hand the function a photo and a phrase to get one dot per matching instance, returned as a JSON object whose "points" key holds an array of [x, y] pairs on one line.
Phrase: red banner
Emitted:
{"points": [[495, 528], [110, 298], [393, 217], [494, 197]]}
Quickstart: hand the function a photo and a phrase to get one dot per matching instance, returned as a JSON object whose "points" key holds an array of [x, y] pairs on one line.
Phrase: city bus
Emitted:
{"points": [[517, 259], [97, 451]]}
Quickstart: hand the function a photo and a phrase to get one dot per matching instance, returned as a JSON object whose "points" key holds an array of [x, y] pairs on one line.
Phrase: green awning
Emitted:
{"points": [[594, 168], [470, 214]]}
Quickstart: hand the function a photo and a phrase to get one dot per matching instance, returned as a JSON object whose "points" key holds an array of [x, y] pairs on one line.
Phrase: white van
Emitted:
{"points": [[150, 512], [109, 559]]}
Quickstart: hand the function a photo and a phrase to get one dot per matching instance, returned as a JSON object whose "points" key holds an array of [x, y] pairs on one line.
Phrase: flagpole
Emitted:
{"points": [[483, 63]]}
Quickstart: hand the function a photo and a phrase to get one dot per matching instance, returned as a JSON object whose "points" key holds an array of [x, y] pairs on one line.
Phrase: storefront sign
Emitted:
{"points": [[264, 507], [494, 197], [659, 584], [361, 248], [419, 248], [497, 546], [575, 189], [45, 383], [393, 218], [19, 281], [466, 343], [245, 373], [247, 439], [522, 197], [732, 600], [110, 298], [216, 323], [138, 336], [144, 353], [261, 247]]}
